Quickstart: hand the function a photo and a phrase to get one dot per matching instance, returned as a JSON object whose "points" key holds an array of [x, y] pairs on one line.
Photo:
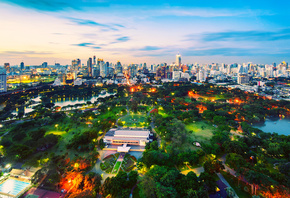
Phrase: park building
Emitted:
{"points": [[137, 137]]}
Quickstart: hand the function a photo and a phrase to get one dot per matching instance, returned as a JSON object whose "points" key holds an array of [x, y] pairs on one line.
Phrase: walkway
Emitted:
{"points": [[232, 171], [223, 179], [97, 169], [197, 171]]}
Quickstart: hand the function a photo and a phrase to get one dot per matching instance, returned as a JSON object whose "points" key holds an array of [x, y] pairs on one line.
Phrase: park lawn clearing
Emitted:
{"points": [[201, 131], [134, 120], [162, 112], [116, 168], [55, 133]]}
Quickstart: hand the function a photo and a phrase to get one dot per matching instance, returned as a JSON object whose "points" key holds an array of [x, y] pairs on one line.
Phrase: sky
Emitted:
{"points": [[151, 31]]}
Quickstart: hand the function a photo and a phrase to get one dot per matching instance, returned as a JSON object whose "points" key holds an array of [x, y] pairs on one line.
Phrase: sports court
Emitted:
{"points": [[41, 193], [12, 188]]}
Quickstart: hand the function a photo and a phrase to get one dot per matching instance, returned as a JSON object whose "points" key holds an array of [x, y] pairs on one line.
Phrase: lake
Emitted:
{"points": [[61, 102], [277, 125]]}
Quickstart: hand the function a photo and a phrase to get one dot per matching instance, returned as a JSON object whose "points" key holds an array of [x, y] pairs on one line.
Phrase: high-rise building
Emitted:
{"points": [[119, 68], [22, 66], [178, 60], [243, 79], [44, 64], [3, 85], [76, 64], [7, 67], [90, 67], [94, 60]]}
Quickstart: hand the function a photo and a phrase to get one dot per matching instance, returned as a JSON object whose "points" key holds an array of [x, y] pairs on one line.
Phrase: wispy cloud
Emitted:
{"points": [[253, 35], [88, 22], [91, 45], [150, 48], [84, 44], [46, 5], [232, 52], [123, 39], [24, 52]]}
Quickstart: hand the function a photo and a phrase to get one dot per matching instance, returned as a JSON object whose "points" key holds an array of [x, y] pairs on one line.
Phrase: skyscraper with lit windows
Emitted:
{"points": [[3, 84], [178, 60]]}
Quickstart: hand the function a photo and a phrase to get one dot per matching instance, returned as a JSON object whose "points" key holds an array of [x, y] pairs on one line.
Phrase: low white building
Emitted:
{"points": [[127, 136]]}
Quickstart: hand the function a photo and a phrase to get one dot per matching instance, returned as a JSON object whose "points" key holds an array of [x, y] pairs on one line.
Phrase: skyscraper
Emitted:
{"points": [[178, 60], [22, 65], [44, 64], [3, 85], [90, 67], [119, 68], [7, 67]]}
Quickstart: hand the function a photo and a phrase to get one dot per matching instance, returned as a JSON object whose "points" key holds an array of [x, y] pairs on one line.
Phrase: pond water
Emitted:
{"points": [[277, 125], [62, 102]]}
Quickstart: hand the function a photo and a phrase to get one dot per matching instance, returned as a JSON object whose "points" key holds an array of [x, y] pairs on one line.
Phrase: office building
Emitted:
{"points": [[178, 60], [76, 64], [44, 64], [3, 81], [22, 66], [7, 67], [243, 79], [90, 67]]}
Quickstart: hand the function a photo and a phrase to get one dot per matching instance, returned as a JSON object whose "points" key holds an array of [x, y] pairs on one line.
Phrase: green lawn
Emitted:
{"points": [[55, 132], [134, 120], [162, 112], [201, 131], [116, 168]]}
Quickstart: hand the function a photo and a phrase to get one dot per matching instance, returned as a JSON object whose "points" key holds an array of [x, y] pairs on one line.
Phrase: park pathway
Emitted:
{"points": [[232, 171], [223, 179]]}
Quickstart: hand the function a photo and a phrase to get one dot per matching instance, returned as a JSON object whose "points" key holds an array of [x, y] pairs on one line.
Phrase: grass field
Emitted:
{"points": [[201, 131], [162, 112], [55, 132], [116, 168], [134, 121]]}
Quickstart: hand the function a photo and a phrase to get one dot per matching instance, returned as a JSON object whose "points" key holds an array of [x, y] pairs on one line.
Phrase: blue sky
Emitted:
{"points": [[203, 31]]}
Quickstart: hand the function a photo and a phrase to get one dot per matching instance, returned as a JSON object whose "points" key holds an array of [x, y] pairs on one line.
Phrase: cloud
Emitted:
{"points": [[88, 22], [24, 52], [123, 39], [253, 35], [231, 52], [46, 5], [84, 44], [90, 45], [150, 48]]}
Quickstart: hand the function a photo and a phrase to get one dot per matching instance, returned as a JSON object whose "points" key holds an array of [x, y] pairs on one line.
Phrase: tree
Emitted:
{"points": [[212, 166], [235, 160]]}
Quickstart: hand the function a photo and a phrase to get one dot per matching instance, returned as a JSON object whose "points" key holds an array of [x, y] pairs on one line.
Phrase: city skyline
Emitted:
{"points": [[146, 31]]}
